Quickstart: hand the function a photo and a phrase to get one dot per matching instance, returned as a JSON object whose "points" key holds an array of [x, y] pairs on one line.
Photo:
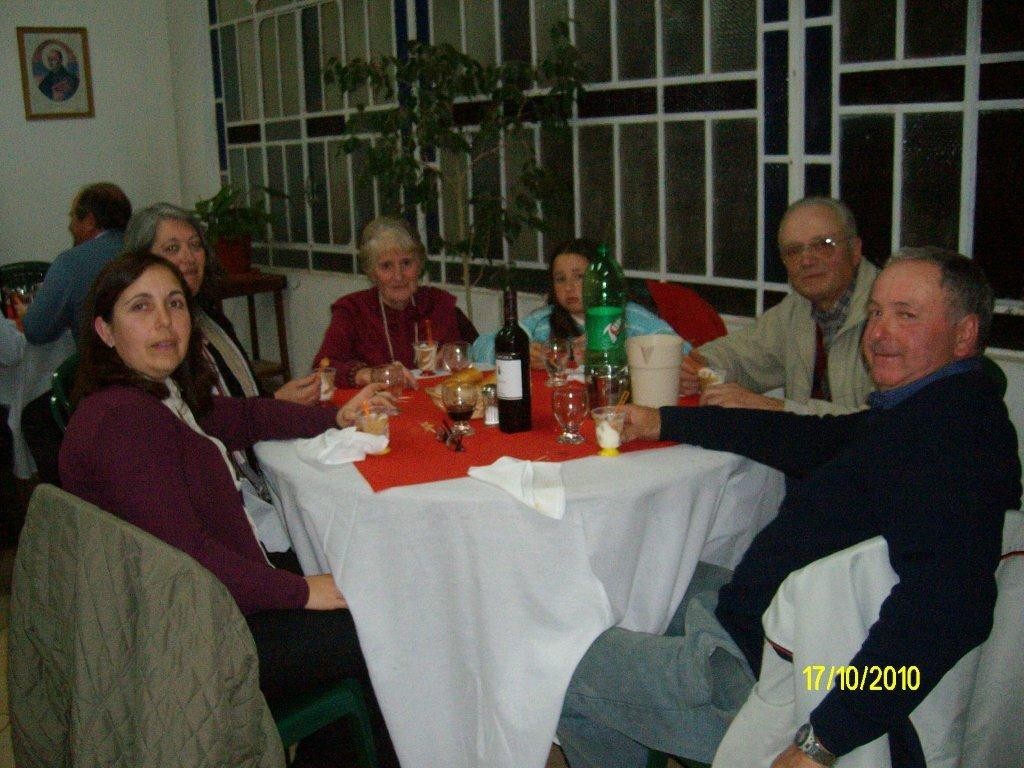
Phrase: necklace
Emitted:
{"points": [[387, 333]]}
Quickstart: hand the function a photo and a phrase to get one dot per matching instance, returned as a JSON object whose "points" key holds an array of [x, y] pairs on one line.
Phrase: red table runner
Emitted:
{"points": [[417, 456]]}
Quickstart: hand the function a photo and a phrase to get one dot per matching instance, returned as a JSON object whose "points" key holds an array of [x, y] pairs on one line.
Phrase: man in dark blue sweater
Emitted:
{"points": [[932, 466]]}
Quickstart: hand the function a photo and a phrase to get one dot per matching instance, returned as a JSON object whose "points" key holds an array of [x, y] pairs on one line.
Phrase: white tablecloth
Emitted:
{"points": [[473, 609], [22, 383]]}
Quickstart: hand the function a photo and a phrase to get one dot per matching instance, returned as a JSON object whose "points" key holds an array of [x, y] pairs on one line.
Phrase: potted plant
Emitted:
{"points": [[441, 116], [231, 224]]}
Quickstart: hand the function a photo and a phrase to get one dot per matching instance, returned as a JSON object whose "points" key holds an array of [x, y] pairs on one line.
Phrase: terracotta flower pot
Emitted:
{"points": [[235, 254]]}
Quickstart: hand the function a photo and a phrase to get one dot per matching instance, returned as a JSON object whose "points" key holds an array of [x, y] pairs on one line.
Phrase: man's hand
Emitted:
{"points": [[324, 594], [792, 757], [688, 381], [642, 423], [735, 396], [304, 390]]}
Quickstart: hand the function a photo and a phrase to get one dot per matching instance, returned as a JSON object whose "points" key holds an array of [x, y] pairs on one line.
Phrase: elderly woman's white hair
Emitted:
{"points": [[384, 233]]}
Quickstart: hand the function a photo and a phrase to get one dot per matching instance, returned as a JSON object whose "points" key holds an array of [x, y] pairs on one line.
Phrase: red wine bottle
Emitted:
{"points": [[512, 359]]}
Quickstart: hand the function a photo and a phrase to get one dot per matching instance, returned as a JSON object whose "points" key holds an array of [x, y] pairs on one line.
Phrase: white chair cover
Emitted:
{"points": [[847, 590]]}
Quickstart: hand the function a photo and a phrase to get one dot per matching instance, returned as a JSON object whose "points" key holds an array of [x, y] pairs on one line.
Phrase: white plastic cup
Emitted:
{"points": [[654, 362]]}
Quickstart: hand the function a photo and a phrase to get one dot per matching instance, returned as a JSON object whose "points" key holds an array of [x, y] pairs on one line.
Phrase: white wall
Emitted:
{"points": [[131, 141]]}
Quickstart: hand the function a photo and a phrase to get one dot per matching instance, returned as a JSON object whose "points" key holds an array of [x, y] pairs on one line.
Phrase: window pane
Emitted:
{"points": [[636, 40], [248, 75], [682, 45], [341, 222], [548, 14], [734, 183], [445, 17], [298, 231], [276, 180], [455, 169], [935, 27], [381, 27], [354, 31], [515, 30], [318, 192], [868, 29], [638, 159], [480, 32], [593, 38], [866, 179], [558, 213], [330, 30], [519, 149], [311, 75], [1000, 190], [229, 10], [776, 200], [254, 168], [776, 93], [932, 146], [684, 197], [236, 166], [818, 92], [733, 42], [229, 66], [289, 65], [268, 55], [1002, 26], [597, 180]]}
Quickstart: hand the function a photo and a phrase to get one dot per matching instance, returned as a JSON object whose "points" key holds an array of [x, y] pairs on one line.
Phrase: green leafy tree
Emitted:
{"points": [[446, 114]]}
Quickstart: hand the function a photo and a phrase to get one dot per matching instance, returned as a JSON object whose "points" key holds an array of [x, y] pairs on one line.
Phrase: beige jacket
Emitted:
{"points": [[778, 351]]}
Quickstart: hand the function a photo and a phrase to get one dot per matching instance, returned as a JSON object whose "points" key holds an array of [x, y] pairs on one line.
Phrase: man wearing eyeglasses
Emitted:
{"points": [[808, 344]]}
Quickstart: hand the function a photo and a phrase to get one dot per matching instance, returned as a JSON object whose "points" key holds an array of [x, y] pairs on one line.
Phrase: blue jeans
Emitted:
{"points": [[676, 692]]}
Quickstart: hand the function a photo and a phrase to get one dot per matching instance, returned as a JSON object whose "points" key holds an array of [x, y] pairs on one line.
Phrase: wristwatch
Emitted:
{"points": [[808, 743]]}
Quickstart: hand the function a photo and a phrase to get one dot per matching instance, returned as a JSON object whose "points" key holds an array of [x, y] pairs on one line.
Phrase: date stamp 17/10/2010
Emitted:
{"points": [[866, 678]]}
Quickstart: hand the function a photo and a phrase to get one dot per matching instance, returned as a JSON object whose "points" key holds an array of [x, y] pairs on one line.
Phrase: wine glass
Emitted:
{"points": [[459, 400], [569, 403], [392, 376], [455, 356], [556, 360]]}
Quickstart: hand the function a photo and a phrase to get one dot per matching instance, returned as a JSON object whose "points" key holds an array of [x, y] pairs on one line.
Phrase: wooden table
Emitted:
{"points": [[248, 284]]}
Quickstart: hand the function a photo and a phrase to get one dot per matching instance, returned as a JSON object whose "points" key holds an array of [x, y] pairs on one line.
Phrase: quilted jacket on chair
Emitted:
{"points": [[126, 652]]}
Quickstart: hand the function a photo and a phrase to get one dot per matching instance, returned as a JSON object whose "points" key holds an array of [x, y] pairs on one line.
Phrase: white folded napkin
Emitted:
{"points": [[340, 446], [538, 484]]}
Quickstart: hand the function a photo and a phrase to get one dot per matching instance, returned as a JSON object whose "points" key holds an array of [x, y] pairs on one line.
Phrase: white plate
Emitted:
{"points": [[482, 367]]}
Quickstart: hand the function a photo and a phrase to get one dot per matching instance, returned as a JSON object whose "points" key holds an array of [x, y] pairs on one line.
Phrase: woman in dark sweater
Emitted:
{"points": [[143, 392]]}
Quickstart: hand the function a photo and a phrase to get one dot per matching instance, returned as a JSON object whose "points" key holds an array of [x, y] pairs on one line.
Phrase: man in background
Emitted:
{"points": [[96, 221], [809, 343]]}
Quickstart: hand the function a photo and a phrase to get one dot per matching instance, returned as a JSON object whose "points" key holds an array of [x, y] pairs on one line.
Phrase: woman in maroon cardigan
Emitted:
{"points": [[143, 392], [382, 323]]}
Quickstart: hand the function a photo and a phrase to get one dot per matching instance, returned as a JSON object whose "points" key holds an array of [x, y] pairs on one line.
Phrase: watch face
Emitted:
{"points": [[802, 734]]}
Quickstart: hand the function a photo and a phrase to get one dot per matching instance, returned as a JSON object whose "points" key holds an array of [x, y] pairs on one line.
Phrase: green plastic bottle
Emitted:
{"points": [[604, 297]]}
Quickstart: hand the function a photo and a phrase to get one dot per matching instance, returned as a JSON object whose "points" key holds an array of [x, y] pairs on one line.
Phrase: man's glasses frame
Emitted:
{"points": [[819, 248]]}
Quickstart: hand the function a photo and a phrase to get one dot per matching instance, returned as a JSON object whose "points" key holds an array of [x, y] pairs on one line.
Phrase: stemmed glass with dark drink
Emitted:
{"points": [[459, 400]]}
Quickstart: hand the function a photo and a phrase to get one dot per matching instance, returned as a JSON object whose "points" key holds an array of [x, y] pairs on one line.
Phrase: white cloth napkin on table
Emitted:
{"points": [[538, 484], [340, 446]]}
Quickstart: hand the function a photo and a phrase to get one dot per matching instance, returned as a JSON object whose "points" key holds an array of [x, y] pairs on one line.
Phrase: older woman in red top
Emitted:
{"points": [[382, 323]]}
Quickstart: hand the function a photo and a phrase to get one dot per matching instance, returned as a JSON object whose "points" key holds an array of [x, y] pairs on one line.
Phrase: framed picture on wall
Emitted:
{"points": [[56, 81]]}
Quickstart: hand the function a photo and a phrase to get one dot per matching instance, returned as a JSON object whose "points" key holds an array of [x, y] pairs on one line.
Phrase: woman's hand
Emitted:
{"points": [[363, 376], [324, 594], [373, 393], [304, 390]]}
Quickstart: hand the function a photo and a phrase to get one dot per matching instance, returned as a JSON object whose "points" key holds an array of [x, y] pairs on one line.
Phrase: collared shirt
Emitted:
{"points": [[893, 397], [831, 321]]}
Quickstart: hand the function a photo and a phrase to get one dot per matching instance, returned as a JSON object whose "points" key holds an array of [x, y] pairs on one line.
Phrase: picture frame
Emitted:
{"points": [[56, 79]]}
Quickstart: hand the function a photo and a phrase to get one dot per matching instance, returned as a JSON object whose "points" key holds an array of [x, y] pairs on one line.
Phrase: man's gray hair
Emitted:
{"points": [[141, 232], [963, 281], [839, 209], [388, 231]]}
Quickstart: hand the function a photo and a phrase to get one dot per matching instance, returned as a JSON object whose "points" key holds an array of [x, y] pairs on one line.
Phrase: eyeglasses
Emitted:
{"points": [[819, 248]]}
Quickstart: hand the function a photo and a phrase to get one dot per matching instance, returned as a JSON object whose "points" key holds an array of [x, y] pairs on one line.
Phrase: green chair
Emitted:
{"points": [[20, 275], [299, 717], [60, 390], [660, 760]]}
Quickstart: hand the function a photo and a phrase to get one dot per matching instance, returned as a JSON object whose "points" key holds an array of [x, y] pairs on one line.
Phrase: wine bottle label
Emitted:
{"points": [[605, 328], [510, 378]]}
